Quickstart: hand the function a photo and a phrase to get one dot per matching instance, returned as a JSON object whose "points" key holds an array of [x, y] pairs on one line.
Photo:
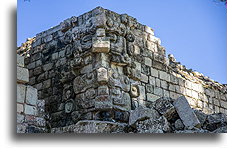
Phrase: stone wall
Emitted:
{"points": [[101, 65], [30, 110]]}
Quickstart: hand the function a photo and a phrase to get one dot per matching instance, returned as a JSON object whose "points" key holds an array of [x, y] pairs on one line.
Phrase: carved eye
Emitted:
{"points": [[130, 37], [115, 75], [109, 23]]}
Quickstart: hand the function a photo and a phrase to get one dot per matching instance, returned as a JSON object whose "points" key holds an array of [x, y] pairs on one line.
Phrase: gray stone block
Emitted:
{"points": [[186, 113], [20, 61], [31, 95], [21, 89], [141, 113], [22, 75]]}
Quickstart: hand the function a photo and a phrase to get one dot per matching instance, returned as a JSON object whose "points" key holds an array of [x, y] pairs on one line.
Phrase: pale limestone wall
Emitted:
{"points": [[30, 110], [102, 59]]}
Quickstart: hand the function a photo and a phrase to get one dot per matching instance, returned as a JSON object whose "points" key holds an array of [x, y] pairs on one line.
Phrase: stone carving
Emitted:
{"points": [[134, 92], [69, 106], [102, 75], [86, 42], [102, 65]]}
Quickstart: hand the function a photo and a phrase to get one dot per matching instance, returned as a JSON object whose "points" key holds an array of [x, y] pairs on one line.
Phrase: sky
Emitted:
{"points": [[194, 31]]}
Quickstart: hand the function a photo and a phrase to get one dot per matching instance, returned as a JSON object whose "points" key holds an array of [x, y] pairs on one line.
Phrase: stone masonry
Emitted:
{"points": [[101, 66], [30, 110]]}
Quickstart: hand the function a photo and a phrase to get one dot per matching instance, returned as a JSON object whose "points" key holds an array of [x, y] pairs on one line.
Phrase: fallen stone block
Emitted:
{"points": [[201, 116], [186, 113], [91, 126], [221, 130], [141, 113], [165, 107], [160, 125], [179, 124], [215, 121]]}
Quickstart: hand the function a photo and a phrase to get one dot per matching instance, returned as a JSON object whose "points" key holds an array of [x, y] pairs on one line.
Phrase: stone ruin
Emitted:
{"points": [[104, 72]]}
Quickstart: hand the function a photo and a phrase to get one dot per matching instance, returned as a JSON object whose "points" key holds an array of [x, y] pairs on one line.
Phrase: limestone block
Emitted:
{"points": [[30, 110], [20, 61], [55, 56], [223, 104], [195, 94], [103, 90], [151, 97], [216, 102], [154, 72], [152, 80], [148, 61], [100, 45], [174, 79], [141, 113], [137, 65], [149, 88], [201, 116], [102, 75], [158, 91], [149, 30], [31, 95], [158, 82], [164, 106], [188, 92], [186, 113], [178, 124], [22, 75], [20, 118], [142, 91], [20, 108], [47, 67], [164, 76], [144, 78], [100, 32], [86, 69], [188, 84], [46, 83], [164, 84], [166, 93], [181, 82], [173, 95], [21, 89], [103, 102]]}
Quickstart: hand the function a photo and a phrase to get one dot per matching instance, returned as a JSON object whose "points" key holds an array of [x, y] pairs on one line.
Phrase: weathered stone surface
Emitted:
{"points": [[102, 75], [201, 116], [22, 75], [20, 108], [30, 110], [159, 125], [91, 126], [21, 89], [141, 113], [221, 130], [101, 65], [186, 113], [179, 124], [20, 61], [101, 45], [215, 121], [31, 95], [164, 107]]}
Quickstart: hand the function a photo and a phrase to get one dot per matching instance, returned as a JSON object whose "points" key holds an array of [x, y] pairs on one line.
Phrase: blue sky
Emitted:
{"points": [[194, 31]]}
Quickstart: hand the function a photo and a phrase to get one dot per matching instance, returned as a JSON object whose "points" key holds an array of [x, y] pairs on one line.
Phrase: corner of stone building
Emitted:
{"points": [[30, 110]]}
